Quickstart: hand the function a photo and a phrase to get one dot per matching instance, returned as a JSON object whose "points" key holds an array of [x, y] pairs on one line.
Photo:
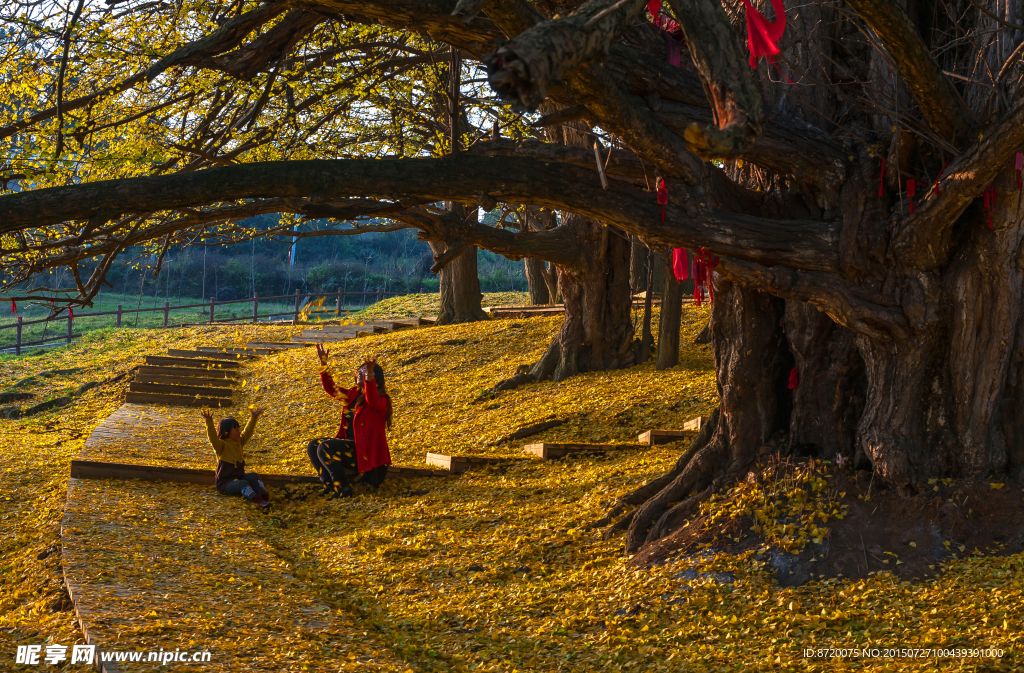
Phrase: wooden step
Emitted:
{"points": [[332, 333], [274, 345], [183, 381], [212, 353], [188, 372], [376, 327], [428, 319], [205, 391], [327, 339], [167, 361], [90, 469], [459, 464], [547, 451], [654, 437], [177, 400], [696, 424]]}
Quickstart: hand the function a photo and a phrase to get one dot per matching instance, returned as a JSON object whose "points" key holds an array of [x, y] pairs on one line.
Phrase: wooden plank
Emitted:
{"points": [[274, 345], [428, 319], [696, 424], [459, 464], [187, 372], [398, 471], [206, 391], [90, 469], [176, 400], [252, 353], [654, 437], [182, 381], [330, 333], [167, 361], [212, 353], [547, 451], [375, 327], [327, 339]]}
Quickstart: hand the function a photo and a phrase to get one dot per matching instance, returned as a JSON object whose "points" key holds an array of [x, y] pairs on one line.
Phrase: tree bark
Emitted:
{"points": [[596, 332], [749, 347], [535, 277], [670, 318], [460, 288], [637, 266]]}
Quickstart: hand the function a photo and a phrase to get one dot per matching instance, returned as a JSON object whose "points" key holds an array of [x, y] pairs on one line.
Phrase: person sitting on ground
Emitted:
{"points": [[227, 441], [361, 445]]}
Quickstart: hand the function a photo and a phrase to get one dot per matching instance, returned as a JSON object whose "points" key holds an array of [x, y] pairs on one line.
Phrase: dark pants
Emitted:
{"points": [[335, 463], [248, 486]]}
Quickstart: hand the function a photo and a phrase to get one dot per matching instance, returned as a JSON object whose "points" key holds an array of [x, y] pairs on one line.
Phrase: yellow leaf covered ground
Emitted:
{"points": [[490, 571]]}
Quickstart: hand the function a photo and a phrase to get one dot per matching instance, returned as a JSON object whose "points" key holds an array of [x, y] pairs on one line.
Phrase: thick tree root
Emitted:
{"points": [[694, 470]]}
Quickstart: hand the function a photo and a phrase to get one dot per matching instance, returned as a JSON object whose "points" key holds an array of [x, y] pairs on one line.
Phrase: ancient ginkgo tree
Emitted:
{"points": [[857, 193]]}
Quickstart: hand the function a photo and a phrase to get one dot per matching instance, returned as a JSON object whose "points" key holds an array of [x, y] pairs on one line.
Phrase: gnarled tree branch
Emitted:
{"points": [[925, 239], [933, 93]]}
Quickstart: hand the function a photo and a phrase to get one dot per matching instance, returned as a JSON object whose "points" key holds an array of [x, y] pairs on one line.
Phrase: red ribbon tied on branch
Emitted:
{"points": [[794, 378], [703, 265], [988, 199], [911, 190], [14, 308], [71, 313], [662, 196], [761, 35], [680, 264], [1018, 165]]}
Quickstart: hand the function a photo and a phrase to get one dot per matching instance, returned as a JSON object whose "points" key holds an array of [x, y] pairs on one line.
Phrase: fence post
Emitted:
{"points": [[118, 315], [380, 294], [212, 302], [17, 339], [167, 312], [295, 318], [337, 308], [69, 328], [255, 306]]}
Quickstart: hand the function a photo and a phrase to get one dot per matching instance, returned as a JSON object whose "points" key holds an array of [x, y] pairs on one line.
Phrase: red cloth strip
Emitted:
{"points": [[761, 35]]}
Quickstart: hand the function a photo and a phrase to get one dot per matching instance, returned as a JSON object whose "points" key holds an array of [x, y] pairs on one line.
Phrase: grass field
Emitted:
{"points": [[492, 571], [132, 319], [394, 307]]}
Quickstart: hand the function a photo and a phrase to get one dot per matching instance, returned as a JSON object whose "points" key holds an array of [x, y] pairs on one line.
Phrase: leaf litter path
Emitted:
{"points": [[155, 566]]}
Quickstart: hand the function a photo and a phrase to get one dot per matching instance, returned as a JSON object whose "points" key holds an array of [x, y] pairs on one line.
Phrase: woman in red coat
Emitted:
{"points": [[361, 445]]}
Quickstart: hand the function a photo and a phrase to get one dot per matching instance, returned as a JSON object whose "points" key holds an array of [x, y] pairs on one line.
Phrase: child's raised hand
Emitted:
{"points": [[257, 412], [322, 353], [207, 413]]}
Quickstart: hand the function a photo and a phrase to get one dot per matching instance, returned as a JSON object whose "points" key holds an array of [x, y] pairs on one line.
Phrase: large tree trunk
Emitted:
{"points": [[671, 317], [460, 285], [637, 265], [749, 356], [535, 278], [596, 332]]}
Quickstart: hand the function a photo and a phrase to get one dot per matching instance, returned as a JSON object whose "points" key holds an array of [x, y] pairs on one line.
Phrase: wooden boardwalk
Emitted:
{"points": [[154, 556]]}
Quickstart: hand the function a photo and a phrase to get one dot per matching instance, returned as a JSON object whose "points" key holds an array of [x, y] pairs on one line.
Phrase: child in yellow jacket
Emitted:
{"points": [[227, 441]]}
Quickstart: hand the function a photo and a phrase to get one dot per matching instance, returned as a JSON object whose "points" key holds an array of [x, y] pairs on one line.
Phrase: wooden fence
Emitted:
{"points": [[167, 308]]}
